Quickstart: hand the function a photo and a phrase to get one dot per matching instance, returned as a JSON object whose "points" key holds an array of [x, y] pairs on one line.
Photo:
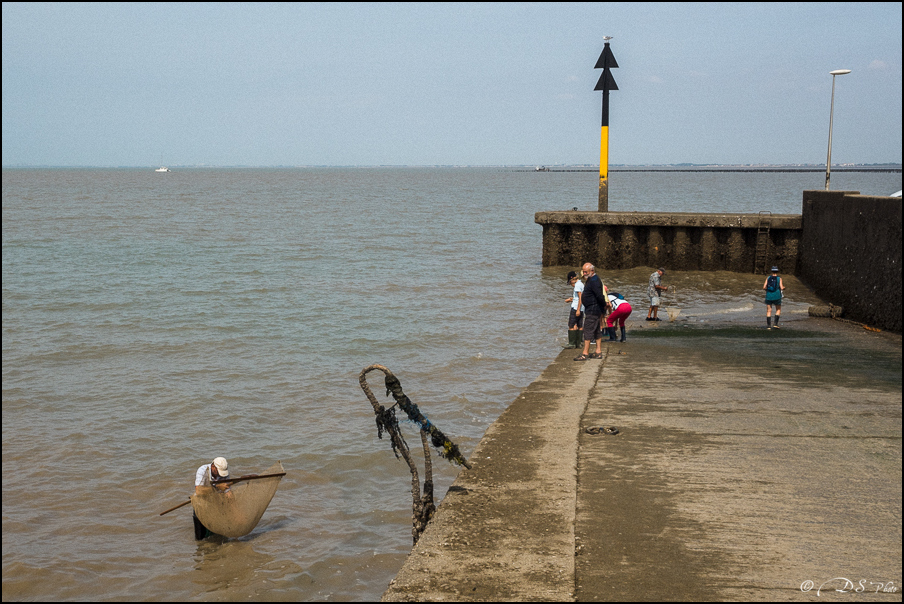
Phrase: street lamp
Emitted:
{"points": [[837, 72]]}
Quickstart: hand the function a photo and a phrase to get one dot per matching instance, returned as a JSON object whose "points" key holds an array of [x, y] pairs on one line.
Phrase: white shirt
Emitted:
{"points": [[202, 476], [578, 290]]}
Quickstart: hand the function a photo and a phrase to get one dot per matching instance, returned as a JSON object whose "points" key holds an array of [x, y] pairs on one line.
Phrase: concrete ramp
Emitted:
{"points": [[505, 530], [750, 465]]}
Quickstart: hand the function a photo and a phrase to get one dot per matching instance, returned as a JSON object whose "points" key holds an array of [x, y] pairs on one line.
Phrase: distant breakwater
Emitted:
{"points": [[818, 170]]}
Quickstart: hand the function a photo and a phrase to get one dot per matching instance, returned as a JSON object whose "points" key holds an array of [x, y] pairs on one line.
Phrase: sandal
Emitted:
{"points": [[582, 357], [595, 355]]}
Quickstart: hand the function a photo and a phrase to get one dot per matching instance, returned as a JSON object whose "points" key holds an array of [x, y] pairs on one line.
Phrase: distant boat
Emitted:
{"points": [[162, 169]]}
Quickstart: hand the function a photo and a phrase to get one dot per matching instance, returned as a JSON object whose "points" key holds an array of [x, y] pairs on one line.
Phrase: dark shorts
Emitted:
{"points": [[575, 321], [592, 325]]}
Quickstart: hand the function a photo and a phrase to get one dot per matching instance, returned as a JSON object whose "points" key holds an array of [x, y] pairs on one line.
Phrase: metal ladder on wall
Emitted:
{"points": [[762, 243]]}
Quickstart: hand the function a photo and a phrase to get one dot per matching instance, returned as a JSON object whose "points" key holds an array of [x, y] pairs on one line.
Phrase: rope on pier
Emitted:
{"points": [[422, 507]]}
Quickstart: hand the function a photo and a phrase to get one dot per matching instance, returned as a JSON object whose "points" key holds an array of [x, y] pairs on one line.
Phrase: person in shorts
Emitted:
{"points": [[576, 316], [774, 288], [653, 291], [595, 305]]}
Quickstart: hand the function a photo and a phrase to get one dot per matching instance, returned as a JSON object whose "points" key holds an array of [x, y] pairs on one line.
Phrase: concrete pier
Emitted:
{"points": [[749, 465], [617, 240]]}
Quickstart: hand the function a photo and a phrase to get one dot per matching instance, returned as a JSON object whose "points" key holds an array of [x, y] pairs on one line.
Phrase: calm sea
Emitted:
{"points": [[153, 321]]}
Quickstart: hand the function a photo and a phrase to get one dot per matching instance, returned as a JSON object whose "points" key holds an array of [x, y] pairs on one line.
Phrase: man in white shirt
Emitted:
{"points": [[211, 472], [205, 477]]}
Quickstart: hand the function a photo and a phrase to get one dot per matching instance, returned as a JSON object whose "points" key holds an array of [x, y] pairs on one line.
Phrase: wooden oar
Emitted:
{"points": [[227, 481]]}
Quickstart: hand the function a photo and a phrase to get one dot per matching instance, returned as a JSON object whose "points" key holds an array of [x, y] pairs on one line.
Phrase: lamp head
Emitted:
{"points": [[839, 72]]}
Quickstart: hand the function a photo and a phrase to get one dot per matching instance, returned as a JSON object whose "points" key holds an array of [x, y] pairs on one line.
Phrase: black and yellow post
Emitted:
{"points": [[606, 83]]}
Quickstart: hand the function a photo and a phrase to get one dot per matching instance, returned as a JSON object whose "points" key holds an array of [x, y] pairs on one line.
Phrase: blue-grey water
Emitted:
{"points": [[153, 321]]}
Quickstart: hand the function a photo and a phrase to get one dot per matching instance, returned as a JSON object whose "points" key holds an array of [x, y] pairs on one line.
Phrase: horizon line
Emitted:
{"points": [[556, 165]]}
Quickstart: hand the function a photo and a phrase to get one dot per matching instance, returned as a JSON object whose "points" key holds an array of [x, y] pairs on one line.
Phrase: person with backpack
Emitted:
{"points": [[774, 289]]}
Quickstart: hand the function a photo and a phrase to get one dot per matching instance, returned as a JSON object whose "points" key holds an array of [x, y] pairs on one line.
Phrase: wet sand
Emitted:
{"points": [[749, 465]]}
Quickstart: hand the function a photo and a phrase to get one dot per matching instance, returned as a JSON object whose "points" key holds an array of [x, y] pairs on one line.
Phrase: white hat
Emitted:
{"points": [[222, 466]]}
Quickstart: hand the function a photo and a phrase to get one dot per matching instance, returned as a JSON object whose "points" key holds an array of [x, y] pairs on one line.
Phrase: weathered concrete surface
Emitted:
{"points": [[748, 462], [505, 530]]}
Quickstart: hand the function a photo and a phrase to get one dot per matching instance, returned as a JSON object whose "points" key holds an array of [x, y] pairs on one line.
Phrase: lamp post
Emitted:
{"points": [[837, 72]]}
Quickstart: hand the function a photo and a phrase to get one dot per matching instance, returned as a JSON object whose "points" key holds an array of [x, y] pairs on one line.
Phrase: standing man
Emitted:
{"points": [[653, 291], [595, 303], [206, 476], [774, 288]]}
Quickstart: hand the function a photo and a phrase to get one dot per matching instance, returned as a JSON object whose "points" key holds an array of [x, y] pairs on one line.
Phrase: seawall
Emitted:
{"points": [[680, 241], [851, 254]]}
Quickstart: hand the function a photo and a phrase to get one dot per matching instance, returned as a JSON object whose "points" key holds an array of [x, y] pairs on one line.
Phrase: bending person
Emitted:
{"points": [[620, 311], [205, 478]]}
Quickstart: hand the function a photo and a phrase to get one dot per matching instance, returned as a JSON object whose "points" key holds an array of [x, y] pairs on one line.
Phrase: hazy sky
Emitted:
{"points": [[424, 84]]}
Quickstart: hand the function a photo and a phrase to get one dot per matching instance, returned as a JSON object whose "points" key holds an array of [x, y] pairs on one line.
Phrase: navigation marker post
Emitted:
{"points": [[606, 83]]}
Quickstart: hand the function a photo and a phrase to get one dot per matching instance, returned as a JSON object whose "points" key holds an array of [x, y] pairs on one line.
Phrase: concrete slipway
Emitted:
{"points": [[749, 465]]}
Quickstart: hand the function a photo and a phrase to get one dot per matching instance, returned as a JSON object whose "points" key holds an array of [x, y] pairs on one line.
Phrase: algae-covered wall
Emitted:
{"points": [[851, 254], [679, 241]]}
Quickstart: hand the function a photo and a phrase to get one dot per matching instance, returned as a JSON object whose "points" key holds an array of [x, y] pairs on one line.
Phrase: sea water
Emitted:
{"points": [[154, 321]]}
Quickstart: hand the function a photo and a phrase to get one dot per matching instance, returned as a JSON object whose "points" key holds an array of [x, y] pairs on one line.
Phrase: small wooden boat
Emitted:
{"points": [[236, 511]]}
